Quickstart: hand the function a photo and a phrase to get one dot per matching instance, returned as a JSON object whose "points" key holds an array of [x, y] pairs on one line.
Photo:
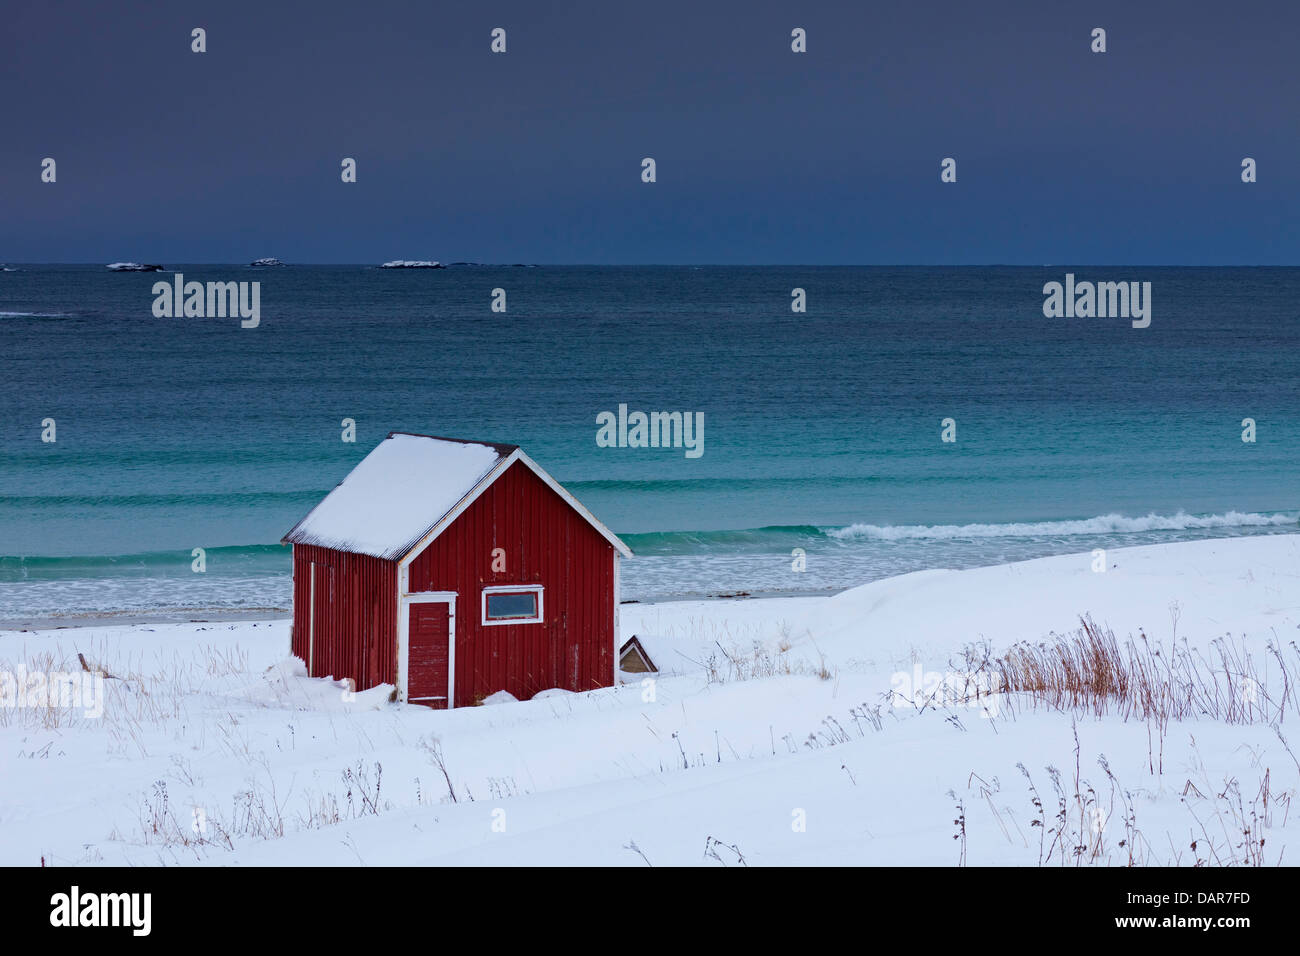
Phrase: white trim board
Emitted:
{"points": [[311, 619], [618, 600]]}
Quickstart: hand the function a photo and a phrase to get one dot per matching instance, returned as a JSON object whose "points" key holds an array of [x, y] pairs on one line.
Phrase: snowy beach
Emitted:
{"points": [[853, 729]]}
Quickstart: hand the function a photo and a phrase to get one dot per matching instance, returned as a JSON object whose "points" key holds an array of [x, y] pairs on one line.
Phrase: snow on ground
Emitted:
{"points": [[776, 734]]}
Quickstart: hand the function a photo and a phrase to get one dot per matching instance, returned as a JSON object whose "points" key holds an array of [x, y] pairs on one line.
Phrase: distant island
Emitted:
{"points": [[435, 264], [133, 267], [268, 261]]}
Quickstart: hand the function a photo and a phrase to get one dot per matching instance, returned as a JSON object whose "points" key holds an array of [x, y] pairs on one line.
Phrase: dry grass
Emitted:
{"points": [[1083, 827], [257, 811], [762, 660], [1092, 671]]}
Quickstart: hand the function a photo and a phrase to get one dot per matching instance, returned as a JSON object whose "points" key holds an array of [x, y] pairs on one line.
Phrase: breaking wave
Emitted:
{"points": [[1102, 524]]}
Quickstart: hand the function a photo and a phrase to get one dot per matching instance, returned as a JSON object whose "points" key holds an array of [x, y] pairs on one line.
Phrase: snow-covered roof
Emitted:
{"points": [[408, 489], [396, 494]]}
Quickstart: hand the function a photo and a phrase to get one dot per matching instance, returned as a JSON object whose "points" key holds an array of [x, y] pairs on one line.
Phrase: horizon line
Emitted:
{"points": [[717, 265]]}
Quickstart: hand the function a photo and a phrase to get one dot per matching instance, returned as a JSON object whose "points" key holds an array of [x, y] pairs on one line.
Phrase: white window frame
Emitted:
{"points": [[537, 589]]}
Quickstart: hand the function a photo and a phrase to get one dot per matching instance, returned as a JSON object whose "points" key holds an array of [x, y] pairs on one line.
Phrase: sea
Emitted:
{"points": [[823, 464]]}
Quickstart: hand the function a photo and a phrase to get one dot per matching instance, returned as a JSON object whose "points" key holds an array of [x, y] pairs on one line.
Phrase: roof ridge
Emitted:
{"points": [[503, 447]]}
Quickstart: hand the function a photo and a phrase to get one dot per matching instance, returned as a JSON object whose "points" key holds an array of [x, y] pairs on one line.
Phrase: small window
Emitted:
{"points": [[512, 605]]}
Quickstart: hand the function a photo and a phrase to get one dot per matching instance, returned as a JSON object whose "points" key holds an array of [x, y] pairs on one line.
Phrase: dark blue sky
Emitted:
{"points": [[764, 156]]}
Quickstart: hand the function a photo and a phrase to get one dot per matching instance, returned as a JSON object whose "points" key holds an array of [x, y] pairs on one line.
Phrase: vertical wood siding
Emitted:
{"points": [[355, 615], [545, 543]]}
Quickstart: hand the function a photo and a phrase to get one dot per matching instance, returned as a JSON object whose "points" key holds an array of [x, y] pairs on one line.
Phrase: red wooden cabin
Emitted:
{"points": [[455, 569]]}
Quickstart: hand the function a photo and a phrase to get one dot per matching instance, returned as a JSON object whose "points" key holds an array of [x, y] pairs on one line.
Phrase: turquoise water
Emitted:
{"points": [[822, 430]]}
